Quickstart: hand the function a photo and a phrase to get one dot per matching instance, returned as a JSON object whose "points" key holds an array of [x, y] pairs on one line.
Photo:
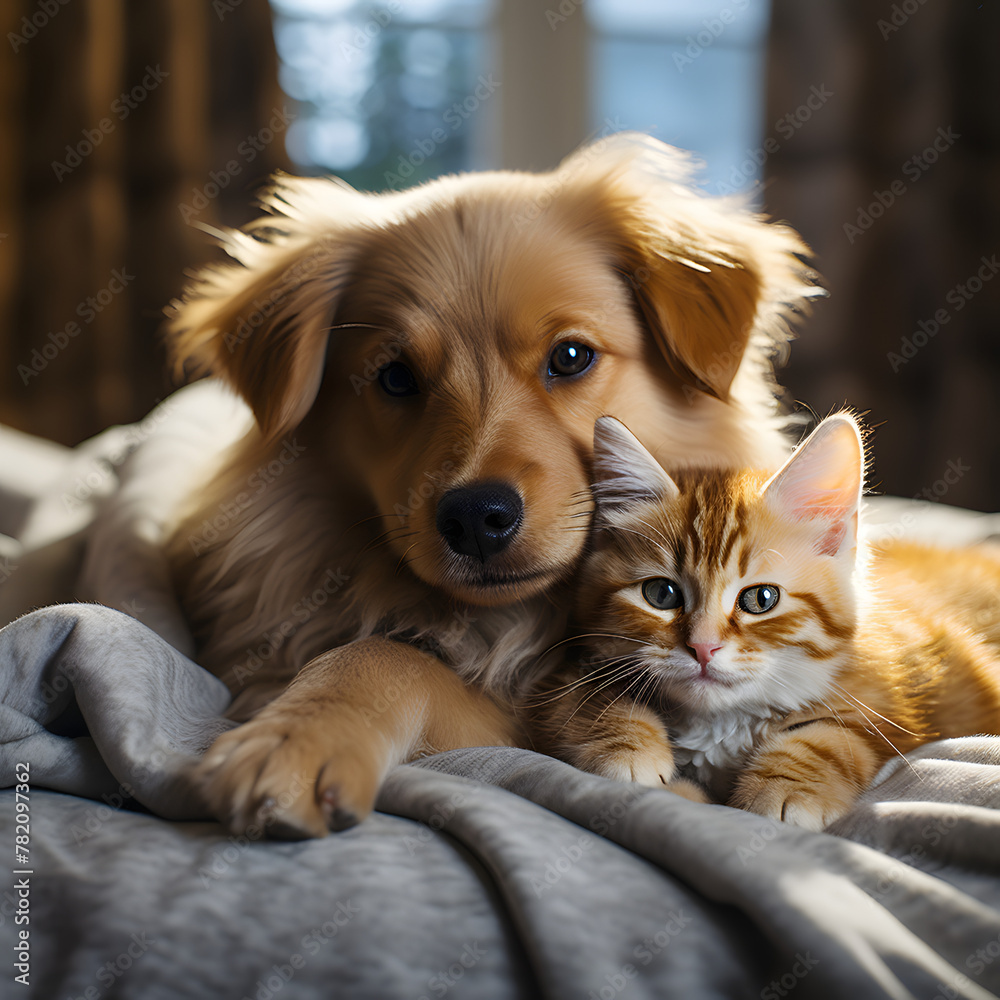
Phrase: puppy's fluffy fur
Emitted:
{"points": [[470, 281]]}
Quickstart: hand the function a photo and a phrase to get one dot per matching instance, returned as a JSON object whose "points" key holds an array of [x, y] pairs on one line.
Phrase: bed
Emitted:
{"points": [[485, 872]]}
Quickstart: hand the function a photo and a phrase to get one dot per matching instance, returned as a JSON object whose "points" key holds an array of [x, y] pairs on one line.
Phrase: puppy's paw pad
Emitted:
{"points": [[338, 816]]}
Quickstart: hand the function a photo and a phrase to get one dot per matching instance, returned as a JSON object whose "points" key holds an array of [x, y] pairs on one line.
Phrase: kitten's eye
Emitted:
{"points": [[397, 380], [663, 594], [570, 358], [759, 598]]}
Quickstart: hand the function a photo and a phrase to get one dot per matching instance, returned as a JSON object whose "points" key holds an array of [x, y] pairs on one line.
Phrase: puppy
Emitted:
{"points": [[377, 565]]}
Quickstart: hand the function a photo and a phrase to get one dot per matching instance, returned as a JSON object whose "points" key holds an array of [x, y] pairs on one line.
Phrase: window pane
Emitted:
{"points": [[384, 95], [691, 73]]}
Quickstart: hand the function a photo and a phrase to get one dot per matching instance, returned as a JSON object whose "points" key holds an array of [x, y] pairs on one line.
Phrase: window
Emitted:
{"points": [[392, 94], [690, 72], [382, 90]]}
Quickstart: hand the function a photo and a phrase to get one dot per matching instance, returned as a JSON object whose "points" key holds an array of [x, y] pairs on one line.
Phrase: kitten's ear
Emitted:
{"points": [[823, 481], [624, 472]]}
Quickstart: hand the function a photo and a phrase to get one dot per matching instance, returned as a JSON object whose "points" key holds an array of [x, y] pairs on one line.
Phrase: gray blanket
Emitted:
{"points": [[486, 873]]}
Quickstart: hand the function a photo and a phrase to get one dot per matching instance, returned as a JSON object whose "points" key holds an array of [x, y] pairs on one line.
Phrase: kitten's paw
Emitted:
{"points": [[806, 806], [288, 778], [631, 748], [687, 790], [647, 766]]}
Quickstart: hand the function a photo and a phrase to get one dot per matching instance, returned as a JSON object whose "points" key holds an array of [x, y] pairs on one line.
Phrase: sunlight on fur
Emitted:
{"points": [[402, 346], [764, 650]]}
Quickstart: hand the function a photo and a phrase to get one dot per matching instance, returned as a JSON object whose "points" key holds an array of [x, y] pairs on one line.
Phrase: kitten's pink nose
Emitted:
{"points": [[705, 651]]}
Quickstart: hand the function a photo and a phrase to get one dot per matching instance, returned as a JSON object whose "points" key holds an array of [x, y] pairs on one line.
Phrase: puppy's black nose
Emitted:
{"points": [[480, 520]]}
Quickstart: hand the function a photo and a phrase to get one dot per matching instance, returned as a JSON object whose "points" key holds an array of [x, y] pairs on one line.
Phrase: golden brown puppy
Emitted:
{"points": [[425, 368]]}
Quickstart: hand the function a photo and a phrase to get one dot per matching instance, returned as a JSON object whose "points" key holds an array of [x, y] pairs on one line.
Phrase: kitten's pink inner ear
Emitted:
{"points": [[823, 481]]}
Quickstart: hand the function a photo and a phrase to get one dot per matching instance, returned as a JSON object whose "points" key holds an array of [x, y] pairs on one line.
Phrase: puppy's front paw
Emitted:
{"points": [[287, 776], [812, 807]]}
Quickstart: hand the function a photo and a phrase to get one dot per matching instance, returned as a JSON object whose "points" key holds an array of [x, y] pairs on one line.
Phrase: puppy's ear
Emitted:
{"points": [[261, 323], [709, 277]]}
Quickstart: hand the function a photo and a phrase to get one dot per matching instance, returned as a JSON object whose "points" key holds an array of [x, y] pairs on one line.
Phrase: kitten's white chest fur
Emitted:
{"points": [[711, 750]]}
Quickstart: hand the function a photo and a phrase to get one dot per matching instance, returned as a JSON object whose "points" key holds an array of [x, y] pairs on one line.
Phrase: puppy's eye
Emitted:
{"points": [[570, 358], [759, 598], [663, 594], [397, 380]]}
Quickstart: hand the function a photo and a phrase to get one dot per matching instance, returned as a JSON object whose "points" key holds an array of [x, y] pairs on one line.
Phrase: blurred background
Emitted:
{"points": [[872, 126]]}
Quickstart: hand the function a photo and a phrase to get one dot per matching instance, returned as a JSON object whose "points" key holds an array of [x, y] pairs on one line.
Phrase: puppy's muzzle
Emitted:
{"points": [[480, 520]]}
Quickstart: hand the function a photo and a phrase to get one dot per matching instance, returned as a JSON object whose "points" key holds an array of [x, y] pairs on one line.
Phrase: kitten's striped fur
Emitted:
{"points": [[868, 652]]}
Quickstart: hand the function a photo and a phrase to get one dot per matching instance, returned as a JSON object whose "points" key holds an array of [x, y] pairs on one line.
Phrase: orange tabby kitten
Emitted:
{"points": [[739, 613]]}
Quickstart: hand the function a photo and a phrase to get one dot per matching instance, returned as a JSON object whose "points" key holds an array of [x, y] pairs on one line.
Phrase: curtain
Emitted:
{"points": [[883, 149], [125, 125]]}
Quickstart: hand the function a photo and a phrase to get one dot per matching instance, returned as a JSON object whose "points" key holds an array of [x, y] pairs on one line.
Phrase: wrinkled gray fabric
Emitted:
{"points": [[487, 873]]}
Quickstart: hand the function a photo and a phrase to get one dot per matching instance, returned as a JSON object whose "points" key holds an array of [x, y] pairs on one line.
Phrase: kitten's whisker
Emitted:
{"points": [[621, 694], [640, 696], [589, 635], [858, 701], [875, 731], [623, 672], [564, 689]]}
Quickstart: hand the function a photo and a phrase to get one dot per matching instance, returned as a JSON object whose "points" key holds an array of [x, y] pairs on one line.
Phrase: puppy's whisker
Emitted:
{"points": [[385, 538], [402, 558]]}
